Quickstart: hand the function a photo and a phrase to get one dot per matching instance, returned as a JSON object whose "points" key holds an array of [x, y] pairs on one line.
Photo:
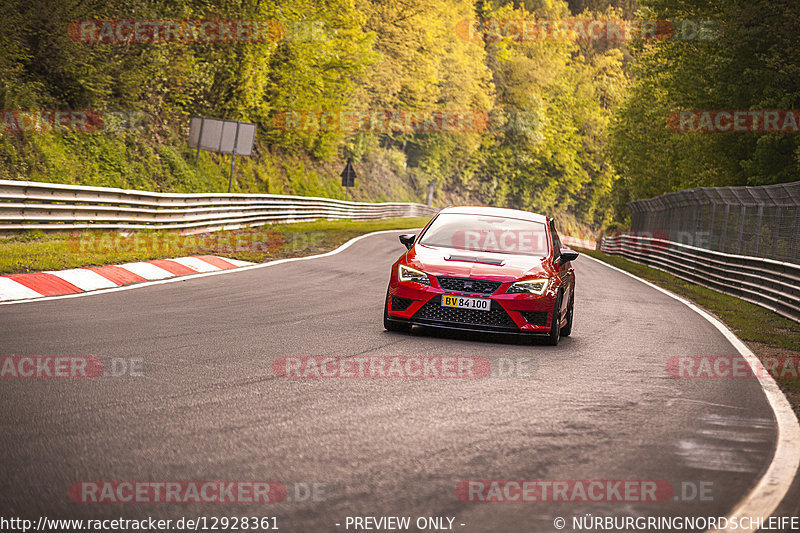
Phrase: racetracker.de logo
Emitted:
{"points": [[382, 121], [176, 31], [549, 30], [52, 120], [69, 367], [735, 121], [380, 367], [41, 367], [505, 241], [177, 492], [174, 243], [640, 241], [575, 490], [736, 367]]}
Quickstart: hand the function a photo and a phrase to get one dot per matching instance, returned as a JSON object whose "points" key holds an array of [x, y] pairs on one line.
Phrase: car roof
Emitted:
{"points": [[495, 211]]}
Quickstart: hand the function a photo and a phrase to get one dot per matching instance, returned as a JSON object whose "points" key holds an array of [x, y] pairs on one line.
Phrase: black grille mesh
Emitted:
{"points": [[537, 318], [495, 317], [472, 286], [400, 304]]}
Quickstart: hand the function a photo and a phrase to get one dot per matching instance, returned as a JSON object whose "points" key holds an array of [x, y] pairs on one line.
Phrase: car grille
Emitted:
{"points": [[495, 318], [400, 304], [537, 318], [471, 286]]}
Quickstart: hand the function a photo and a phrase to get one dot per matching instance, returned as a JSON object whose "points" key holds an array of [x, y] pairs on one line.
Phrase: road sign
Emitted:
{"points": [[223, 137], [348, 175]]}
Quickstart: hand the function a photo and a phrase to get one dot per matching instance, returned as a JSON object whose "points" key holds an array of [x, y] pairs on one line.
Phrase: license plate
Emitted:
{"points": [[480, 304]]}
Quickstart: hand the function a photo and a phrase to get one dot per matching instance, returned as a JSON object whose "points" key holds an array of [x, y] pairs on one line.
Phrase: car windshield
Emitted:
{"points": [[487, 234]]}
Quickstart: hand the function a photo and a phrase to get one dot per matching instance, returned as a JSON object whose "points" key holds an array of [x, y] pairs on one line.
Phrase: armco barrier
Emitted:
{"points": [[578, 242], [771, 284], [27, 205]]}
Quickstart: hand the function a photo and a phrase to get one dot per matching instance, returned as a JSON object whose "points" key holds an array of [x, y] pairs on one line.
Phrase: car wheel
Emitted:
{"points": [[567, 329], [555, 326], [391, 325]]}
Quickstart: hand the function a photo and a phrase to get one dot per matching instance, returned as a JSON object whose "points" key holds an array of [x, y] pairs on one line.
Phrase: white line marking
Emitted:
{"points": [[83, 278], [204, 274], [774, 484], [198, 265], [236, 262], [147, 270], [12, 290]]}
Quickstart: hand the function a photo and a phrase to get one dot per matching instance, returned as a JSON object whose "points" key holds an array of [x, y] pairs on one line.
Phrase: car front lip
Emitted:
{"points": [[511, 303]]}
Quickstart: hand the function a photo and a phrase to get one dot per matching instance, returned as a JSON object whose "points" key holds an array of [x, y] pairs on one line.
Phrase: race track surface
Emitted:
{"points": [[208, 406]]}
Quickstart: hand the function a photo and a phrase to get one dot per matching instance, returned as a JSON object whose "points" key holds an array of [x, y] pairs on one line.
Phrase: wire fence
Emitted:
{"points": [[753, 221]]}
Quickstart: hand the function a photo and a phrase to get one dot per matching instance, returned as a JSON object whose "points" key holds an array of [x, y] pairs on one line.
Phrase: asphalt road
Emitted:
{"points": [[600, 406]]}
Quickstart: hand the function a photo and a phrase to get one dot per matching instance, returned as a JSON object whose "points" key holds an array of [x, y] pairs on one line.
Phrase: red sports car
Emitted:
{"points": [[484, 269]]}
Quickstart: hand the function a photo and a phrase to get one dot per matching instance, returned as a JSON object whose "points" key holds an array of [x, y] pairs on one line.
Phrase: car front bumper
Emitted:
{"points": [[414, 303]]}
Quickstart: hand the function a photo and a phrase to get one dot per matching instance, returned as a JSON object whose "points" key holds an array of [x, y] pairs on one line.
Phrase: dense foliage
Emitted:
{"points": [[571, 127], [748, 59], [548, 104]]}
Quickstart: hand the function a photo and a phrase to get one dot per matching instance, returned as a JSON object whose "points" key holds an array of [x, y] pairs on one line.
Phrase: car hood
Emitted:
{"points": [[470, 264]]}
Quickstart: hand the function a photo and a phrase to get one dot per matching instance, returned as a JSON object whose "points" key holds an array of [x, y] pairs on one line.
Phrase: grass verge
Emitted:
{"points": [[36, 251], [766, 333]]}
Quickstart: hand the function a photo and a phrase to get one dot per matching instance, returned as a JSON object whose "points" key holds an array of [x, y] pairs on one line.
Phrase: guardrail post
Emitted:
{"points": [[742, 214], [725, 227], [197, 157], [711, 225], [759, 219], [698, 225]]}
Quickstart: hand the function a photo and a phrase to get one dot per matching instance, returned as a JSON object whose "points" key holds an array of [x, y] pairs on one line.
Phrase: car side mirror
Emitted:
{"points": [[567, 255], [408, 240]]}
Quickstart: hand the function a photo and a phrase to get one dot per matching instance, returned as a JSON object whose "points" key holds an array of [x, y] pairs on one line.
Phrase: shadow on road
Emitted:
{"points": [[472, 336]]}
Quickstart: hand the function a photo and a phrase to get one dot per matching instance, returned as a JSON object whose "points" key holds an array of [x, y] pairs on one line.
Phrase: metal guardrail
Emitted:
{"points": [[28, 205], [578, 242], [771, 284]]}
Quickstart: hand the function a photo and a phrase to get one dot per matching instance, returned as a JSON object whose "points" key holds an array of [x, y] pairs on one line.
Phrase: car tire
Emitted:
{"points": [[567, 329], [391, 325], [555, 324]]}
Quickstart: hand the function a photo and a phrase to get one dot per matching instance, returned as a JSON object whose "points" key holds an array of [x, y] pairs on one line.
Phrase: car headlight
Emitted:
{"points": [[406, 273], [530, 286]]}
